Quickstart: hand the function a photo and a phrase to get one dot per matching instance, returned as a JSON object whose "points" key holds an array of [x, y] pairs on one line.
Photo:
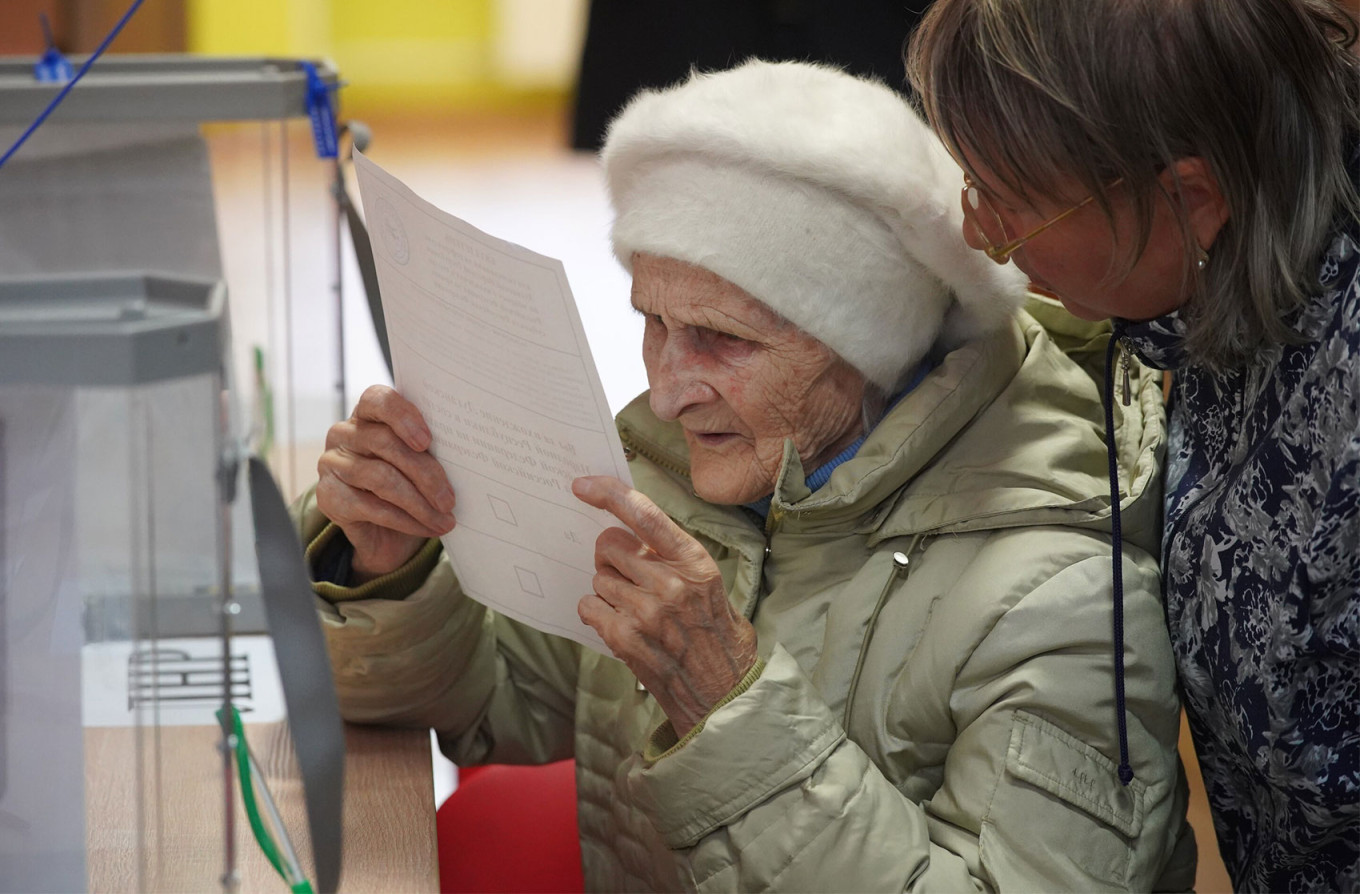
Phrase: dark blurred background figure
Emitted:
{"points": [[631, 44]]}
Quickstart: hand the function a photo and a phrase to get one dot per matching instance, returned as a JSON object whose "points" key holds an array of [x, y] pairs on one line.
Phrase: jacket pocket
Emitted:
{"points": [[1064, 766], [1059, 814]]}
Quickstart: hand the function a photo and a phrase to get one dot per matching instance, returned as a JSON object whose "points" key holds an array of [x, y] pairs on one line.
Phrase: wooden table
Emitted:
{"points": [[389, 835]]}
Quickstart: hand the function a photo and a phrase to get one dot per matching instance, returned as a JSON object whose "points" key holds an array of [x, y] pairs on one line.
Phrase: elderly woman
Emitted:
{"points": [[864, 581], [1191, 169]]}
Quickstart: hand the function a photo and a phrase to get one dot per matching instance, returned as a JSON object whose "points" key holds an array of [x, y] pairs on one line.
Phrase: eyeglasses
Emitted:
{"points": [[978, 211]]}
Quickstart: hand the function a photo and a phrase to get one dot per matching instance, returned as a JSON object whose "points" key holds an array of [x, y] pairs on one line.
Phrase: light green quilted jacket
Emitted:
{"points": [[935, 708]]}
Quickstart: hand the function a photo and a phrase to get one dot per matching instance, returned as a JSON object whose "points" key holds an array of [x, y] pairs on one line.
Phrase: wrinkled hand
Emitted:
{"points": [[660, 604], [379, 483]]}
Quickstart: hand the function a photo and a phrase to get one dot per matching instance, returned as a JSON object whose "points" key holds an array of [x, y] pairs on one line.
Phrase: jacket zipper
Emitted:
{"points": [[631, 449], [630, 446], [901, 568]]}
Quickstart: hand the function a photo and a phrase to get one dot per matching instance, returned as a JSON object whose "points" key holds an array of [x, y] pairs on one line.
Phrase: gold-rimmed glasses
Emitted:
{"points": [[978, 211]]}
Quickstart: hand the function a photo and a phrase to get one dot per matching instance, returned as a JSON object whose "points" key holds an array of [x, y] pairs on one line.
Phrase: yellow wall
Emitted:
{"points": [[403, 55], [239, 27]]}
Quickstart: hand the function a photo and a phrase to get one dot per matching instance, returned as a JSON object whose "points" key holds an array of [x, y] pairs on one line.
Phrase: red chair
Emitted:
{"points": [[512, 830]]}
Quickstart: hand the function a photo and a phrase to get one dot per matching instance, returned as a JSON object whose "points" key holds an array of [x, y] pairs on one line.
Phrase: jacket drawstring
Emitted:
{"points": [[1117, 560]]}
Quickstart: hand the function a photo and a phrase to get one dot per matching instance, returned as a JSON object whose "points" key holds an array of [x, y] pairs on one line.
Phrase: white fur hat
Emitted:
{"points": [[822, 194]]}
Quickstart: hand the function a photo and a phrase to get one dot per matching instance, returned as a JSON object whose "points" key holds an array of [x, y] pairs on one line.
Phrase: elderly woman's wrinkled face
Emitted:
{"points": [[739, 379]]}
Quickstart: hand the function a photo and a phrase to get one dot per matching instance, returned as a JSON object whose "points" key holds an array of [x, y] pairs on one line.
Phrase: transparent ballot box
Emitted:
{"points": [[134, 608], [111, 430], [122, 758]]}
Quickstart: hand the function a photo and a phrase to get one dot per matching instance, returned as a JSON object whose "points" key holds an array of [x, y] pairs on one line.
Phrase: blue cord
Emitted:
{"points": [[1125, 770], [56, 101]]}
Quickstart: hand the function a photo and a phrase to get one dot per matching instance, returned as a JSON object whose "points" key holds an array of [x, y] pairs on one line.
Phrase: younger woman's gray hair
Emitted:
{"points": [[1265, 91]]}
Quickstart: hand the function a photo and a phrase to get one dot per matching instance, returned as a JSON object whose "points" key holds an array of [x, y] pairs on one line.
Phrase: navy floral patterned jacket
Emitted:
{"points": [[1261, 559]]}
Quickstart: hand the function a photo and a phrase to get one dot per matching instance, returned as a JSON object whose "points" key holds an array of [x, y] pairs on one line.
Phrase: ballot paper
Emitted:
{"points": [[487, 342]]}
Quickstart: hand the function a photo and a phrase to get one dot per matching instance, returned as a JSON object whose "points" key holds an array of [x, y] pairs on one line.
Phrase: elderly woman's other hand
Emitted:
{"points": [[380, 484], [660, 605]]}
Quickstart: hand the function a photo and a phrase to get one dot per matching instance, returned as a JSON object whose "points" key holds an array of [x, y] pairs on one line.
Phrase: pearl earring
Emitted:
{"points": [[1202, 260]]}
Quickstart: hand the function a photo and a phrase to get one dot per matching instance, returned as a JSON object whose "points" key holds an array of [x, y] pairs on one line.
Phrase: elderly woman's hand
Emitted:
{"points": [[660, 605], [380, 484]]}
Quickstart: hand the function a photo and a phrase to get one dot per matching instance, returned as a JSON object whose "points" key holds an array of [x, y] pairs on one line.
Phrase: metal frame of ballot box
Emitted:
{"points": [[153, 94]]}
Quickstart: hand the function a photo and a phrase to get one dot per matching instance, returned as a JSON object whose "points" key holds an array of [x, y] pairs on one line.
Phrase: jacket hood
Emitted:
{"points": [[1021, 414]]}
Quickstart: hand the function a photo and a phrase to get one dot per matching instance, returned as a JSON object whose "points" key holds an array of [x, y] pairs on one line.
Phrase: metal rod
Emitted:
{"points": [[339, 291], [290, 857], [288, 308], [152, 629], [226, 470], [138, 545], [271, 273], [4, 611]]}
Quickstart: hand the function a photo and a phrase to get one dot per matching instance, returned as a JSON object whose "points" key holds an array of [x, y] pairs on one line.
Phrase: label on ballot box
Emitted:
{"points": [[178, 682]]}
